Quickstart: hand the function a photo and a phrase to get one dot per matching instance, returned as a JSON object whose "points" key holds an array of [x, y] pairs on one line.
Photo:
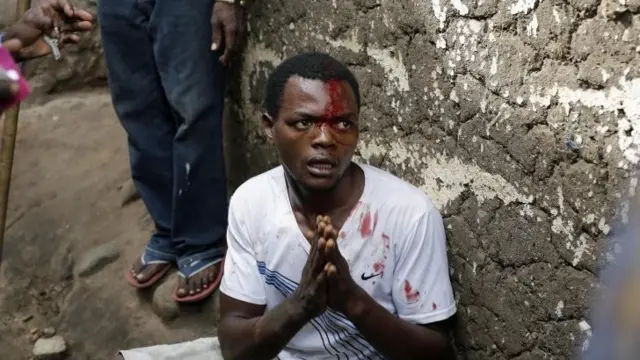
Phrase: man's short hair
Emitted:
{"points": [[312, 66]]}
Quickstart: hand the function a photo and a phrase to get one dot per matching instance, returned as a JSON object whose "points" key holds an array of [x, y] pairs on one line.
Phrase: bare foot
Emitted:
{"points": [[198, 282], [147, 273]]}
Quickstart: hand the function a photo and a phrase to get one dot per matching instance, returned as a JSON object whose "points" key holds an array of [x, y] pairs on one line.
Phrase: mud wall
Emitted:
{"points": [[520, 118]]}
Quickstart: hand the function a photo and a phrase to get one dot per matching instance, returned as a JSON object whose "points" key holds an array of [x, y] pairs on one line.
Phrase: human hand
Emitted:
{"points": [[343, 291], [311, 293], [55, 18], [228, 26]]}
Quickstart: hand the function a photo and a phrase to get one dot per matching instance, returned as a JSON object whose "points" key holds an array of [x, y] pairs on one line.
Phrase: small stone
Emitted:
{"points": [[49, 349], [95, 259], [34, 331], [128, 193], [163, 304], [48, 332], [34, 337], [27, 318]]}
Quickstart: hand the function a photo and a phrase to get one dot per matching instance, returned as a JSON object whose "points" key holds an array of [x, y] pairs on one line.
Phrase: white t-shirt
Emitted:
{"points": [[394, 242]]}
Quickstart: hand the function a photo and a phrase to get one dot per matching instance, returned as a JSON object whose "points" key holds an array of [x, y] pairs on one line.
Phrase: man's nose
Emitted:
{"points": [[322, 135]]}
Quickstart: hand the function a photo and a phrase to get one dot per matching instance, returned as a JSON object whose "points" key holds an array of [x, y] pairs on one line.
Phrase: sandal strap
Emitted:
{"points": [[193, 264], [153, 256]]}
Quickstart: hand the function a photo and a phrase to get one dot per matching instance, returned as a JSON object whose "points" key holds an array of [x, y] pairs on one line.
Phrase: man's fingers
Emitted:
{"points": [[69, 11], [68, 39], [83, 15], [309, 235], [322, 277], [330, 269], [77, 26], [331, 250], [318, 256], [330, 232], [38, 49], [63, 6], [39, 19], [216, 29], [230, 38], [321, 229]]}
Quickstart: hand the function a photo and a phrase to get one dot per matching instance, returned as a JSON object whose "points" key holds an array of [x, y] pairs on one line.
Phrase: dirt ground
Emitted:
{"points": [[65, 212]]}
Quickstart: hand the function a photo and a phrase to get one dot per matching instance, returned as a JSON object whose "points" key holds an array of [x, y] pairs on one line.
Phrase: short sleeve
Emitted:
{"points": [[422, 290], [241, 279]]}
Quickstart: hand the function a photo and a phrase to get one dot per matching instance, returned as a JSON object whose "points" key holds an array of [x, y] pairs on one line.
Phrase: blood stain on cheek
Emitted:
{"points": [[410, 294]]}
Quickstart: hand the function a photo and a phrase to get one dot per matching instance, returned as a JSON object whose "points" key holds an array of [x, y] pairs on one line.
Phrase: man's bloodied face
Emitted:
{"points": [[316, 131]]}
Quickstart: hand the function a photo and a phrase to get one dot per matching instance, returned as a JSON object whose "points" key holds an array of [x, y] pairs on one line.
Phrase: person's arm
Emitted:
{"points": [[421, 292], [400, 339], [246, 329]]}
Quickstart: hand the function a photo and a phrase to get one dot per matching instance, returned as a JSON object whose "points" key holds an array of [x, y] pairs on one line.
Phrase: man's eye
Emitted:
{"points": [[302, 124], [343, 125]]}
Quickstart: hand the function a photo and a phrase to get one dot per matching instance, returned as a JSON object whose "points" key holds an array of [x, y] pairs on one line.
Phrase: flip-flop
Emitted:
{"points": [[151, 257], [192, 265]]}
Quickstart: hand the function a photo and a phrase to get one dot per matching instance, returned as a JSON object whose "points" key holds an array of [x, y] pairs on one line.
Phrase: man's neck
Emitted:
{"points": [[345, 194]]}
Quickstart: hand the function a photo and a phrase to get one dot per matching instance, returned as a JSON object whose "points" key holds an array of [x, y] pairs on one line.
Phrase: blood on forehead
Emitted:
{"points": [[337, 101], [335, 108]]}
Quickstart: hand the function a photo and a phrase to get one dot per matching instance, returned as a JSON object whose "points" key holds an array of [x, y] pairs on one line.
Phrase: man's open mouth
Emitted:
{"points": [[321, 166]]}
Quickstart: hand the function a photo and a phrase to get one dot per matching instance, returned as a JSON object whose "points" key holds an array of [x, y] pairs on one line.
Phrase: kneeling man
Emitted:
{"points": [[329, 258]]}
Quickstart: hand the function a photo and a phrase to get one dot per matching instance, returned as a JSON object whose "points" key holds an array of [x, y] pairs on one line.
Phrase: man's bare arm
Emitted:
{"points": [[396, 338], [246, 331]]}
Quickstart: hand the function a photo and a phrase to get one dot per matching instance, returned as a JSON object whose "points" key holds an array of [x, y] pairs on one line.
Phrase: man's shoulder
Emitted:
{"points": [[396, 192], [259, 189]]}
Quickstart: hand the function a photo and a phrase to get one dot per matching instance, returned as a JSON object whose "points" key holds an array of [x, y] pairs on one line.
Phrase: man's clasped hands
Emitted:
{"points": [[326, 280]]}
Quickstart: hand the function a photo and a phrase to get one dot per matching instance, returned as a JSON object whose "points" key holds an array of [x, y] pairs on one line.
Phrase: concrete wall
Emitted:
{"points": [[520, 118]]}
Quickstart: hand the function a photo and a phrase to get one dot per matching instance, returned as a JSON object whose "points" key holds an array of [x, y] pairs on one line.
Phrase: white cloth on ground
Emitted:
{"points": [[200, 349]]}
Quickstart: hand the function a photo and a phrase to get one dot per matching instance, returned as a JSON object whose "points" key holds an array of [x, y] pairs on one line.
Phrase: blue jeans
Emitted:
{"points": [[167, 88]]}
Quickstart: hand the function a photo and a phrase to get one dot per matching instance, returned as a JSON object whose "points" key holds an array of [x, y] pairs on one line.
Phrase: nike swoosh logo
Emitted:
{"points": [[370, 276]]}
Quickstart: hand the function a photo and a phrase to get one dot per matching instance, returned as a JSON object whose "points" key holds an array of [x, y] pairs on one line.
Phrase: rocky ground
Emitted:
{"points": [[69, 240]]}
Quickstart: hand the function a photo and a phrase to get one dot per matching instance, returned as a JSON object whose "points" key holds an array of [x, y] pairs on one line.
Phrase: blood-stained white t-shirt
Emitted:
{"points": [[394, 242]]}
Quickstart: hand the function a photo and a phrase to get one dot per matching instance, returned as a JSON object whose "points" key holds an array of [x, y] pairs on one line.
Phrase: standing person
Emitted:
{"points": [[166, 68]]}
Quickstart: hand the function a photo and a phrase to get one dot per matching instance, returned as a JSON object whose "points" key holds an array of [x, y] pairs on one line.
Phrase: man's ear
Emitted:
{"points": [[267, 124]]}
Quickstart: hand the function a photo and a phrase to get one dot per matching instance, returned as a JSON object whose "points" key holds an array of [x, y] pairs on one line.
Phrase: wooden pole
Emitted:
{"points": [[9, 131]]}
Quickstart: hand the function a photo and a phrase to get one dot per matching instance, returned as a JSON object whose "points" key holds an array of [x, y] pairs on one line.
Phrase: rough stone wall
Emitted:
{"points": [[521, 120]]}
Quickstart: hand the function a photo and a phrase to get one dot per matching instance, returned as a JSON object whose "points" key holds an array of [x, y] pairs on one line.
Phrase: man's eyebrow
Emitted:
{"points": [[314, 115]]}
